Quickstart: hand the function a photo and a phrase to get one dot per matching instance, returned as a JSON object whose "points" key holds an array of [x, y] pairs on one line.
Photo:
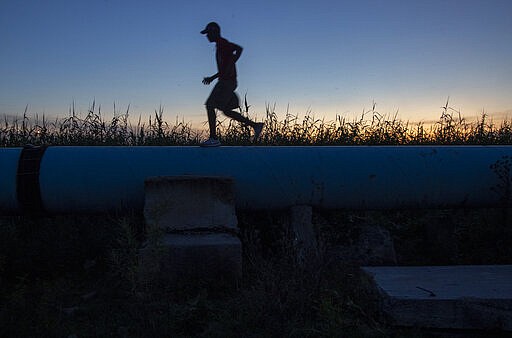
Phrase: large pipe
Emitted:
{"points": [[98, 179]]}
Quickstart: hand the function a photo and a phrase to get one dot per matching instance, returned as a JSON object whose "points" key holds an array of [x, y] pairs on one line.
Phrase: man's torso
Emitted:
{"points": [[225, 62]]}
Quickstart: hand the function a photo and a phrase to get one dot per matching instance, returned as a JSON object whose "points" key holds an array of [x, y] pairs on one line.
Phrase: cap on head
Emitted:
{"points": [[211, 27]]}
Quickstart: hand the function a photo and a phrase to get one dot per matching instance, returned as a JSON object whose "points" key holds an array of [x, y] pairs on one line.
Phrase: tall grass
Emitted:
{"points": [[372, 128]]}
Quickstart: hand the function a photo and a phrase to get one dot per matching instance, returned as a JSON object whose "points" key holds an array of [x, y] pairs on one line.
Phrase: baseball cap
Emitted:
{"points": [[212, 26]]}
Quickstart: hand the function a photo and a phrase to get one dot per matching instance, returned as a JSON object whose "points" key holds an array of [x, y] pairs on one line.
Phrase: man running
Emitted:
{"points": [[223, 95]]}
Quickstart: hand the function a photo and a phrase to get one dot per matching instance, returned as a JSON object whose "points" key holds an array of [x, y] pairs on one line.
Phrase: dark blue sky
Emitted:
{"points": [[328, 57]]}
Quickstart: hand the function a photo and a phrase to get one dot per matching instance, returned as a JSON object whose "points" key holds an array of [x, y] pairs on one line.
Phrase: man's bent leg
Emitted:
{"points": [[238, 117]]}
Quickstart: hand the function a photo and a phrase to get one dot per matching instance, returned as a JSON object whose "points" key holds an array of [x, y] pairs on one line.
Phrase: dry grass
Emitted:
{"points": [[372, 128], [77, 275]]}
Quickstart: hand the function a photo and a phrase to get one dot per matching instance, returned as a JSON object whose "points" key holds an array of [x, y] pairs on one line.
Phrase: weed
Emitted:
{"points": [[371, 128], [124, 256], [276, 296]]}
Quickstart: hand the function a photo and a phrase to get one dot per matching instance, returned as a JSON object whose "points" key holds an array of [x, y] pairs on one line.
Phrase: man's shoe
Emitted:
{"points": [[257, 130], [211, 142]]}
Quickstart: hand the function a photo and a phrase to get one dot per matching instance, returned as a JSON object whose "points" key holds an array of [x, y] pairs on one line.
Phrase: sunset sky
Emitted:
{"points": [[325, 57]]}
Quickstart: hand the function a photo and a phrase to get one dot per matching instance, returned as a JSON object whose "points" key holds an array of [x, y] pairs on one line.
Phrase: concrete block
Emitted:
{"points": [[179, 203], [447, 297], [198, 257], [303, 231]]}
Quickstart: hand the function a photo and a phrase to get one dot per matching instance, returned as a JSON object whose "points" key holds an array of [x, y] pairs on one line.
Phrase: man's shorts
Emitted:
{"points": [[223, 96]]}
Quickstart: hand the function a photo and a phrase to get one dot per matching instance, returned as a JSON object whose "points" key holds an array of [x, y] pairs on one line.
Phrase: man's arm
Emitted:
{"points": [[228, 61], [237, 52], [207, 80]]}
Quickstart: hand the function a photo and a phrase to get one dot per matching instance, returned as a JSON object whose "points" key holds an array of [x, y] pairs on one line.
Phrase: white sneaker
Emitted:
{"points": [[211, 142]]}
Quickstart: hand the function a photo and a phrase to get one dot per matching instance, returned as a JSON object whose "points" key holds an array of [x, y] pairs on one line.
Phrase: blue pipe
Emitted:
{"points": [[99, 179]]}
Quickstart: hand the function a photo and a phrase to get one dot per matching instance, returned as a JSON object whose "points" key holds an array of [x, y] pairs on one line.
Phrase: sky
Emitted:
{"points": [[325, 58]]}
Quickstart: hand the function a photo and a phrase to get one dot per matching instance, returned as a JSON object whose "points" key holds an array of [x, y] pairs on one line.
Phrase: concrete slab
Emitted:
{"points": [[208, 257], [456, 297]]}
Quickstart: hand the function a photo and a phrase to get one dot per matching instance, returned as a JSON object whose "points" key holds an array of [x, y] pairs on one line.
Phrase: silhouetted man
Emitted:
{"points": [[223, 95]]}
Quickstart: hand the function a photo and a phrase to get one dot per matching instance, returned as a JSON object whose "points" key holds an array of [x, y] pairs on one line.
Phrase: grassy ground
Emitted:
{"points": [[71, 275]]}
